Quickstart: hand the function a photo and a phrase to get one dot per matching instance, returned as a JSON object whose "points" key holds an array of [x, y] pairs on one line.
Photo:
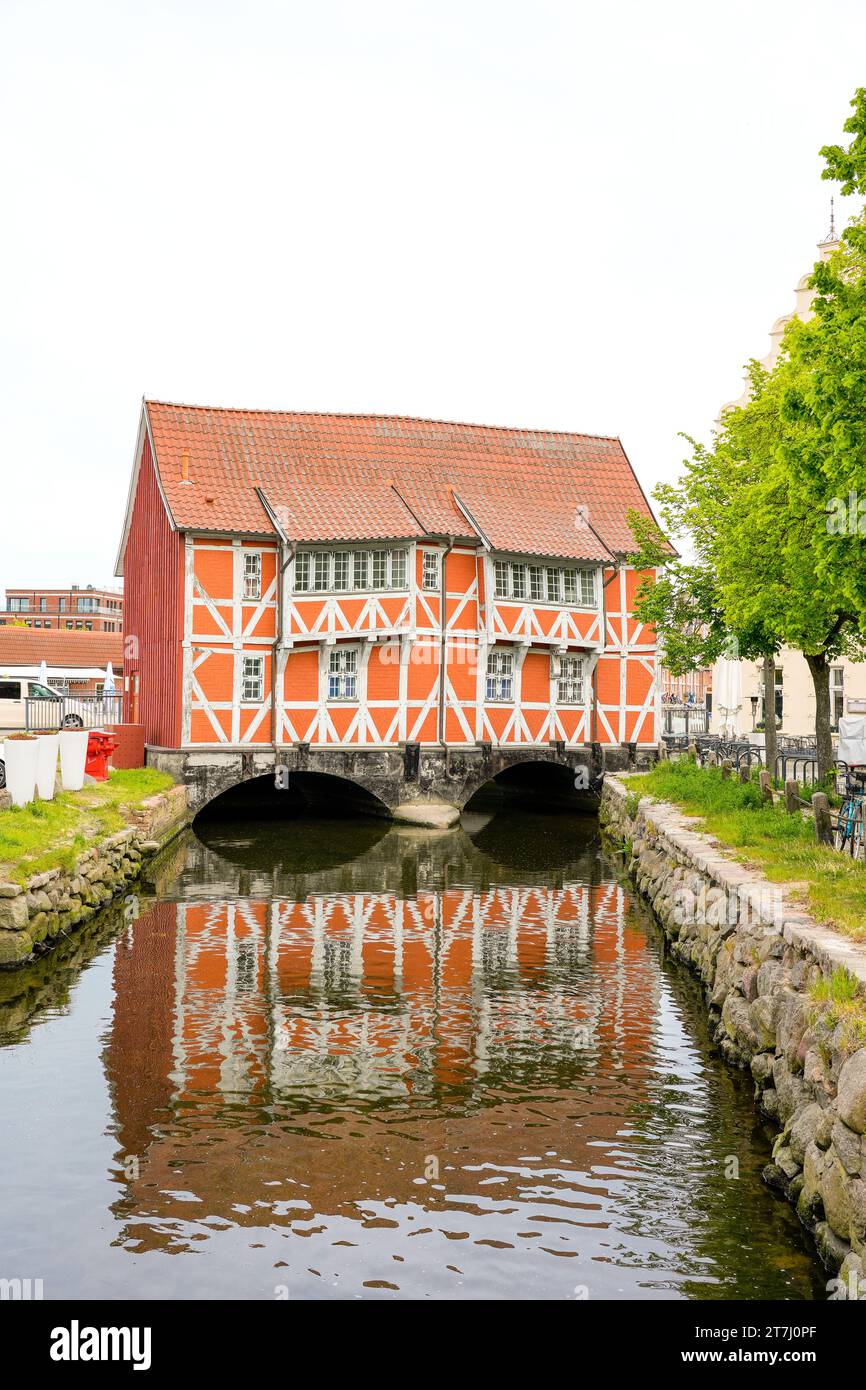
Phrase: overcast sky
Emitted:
{"points": [[563, 215]]}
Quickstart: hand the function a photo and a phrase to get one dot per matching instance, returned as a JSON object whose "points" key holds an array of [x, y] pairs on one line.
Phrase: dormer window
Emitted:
{"points": [[338, 571], [544, 583]]}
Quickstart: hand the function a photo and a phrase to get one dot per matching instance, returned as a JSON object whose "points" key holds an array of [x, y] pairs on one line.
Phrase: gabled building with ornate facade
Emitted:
{"points": [[308, 583]]}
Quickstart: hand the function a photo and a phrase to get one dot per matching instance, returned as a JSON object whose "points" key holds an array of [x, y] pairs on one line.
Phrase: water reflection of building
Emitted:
{"points": [[346, 1008]]}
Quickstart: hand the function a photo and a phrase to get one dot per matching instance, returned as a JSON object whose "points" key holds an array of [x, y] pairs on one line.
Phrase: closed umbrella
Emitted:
{"points": [[43, 673], [727, 695], [108, 681]]}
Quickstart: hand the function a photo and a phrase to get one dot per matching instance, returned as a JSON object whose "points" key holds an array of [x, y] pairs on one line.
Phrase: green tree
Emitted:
{"points": [[774, 509]]}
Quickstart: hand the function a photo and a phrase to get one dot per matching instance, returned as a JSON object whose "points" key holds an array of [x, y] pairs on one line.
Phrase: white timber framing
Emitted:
{"points": [[412, 624]]}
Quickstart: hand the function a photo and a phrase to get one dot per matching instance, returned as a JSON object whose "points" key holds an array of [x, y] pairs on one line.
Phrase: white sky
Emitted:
{"points": [[563, 215]]}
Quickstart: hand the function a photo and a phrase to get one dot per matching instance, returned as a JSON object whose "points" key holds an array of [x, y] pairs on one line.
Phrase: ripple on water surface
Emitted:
{"points": [[343, 1060]]}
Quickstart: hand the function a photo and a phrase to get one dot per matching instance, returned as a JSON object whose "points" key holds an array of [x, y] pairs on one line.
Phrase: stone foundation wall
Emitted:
{"points": [[417, 784], [36, 914], [759, 958]]}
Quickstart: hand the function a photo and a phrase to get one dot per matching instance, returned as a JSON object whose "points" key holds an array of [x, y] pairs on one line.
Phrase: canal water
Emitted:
{"points": [[336, 1059]]}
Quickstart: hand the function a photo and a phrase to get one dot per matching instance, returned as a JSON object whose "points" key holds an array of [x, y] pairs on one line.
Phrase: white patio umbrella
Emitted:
{"points": [[108, 681], [727, 694], [43, 672]]}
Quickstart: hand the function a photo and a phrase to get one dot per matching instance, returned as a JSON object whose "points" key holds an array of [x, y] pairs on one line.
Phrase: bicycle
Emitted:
{"points": [[851, 820]]}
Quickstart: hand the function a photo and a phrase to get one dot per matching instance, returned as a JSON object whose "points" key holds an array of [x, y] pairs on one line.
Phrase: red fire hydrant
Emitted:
{"points": [[100, 746]]}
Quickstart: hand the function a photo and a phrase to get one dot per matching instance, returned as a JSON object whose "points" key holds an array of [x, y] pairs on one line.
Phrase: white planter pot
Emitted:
{"points": [[73, 756], [46, 765], [21, 757]]}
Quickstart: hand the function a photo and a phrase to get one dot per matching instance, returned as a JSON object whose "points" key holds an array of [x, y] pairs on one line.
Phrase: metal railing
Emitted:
{"points": [[73, 712], [683, 721]]}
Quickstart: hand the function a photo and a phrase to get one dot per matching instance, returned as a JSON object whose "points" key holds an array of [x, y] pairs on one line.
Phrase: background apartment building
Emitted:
{"points": [[75, 609]]}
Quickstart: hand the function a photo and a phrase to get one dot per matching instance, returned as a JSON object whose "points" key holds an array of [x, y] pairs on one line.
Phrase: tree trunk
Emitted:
{"points": [[771, 745], [820, 669]]}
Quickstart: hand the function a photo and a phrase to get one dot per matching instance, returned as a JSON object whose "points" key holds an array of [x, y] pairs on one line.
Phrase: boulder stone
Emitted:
{"points": [[15, 947], [14, 914], [851, 1094]]}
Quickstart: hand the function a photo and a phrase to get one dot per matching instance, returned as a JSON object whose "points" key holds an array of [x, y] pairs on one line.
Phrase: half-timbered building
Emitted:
{"points": [[372, 582]]}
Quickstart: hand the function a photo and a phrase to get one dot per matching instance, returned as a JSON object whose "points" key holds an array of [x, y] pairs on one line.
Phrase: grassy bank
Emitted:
{"points": [[831, 885], [51, 834]]}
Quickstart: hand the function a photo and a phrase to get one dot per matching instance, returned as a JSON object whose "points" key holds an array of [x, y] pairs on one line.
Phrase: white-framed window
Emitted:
{"points": [[341, 569], [252, 575], [544, 583], [569, 680], [430, 572], [380, 569], [837, 695], [361, 569], [398, 569], [343, 673], [500, 674], [302, 571], [321, 569], [253, 679]]}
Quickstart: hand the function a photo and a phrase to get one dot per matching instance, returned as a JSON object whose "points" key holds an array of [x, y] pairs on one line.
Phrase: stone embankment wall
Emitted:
{"points": [[34, 915], [760, 959]]}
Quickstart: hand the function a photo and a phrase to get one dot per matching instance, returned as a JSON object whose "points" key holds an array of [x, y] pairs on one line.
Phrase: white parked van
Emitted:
{"points": [[14, 690]]}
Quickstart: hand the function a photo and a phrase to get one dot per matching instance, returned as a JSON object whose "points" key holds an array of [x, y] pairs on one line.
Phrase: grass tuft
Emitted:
{"points": [[52, 834], [783, 847]]}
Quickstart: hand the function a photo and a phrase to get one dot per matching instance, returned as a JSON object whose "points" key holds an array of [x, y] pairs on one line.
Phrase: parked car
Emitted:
{"points": [[14, 690]]}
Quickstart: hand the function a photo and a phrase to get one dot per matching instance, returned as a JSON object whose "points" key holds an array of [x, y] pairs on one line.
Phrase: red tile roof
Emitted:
{"points": [[28, 646], [352, 477]]}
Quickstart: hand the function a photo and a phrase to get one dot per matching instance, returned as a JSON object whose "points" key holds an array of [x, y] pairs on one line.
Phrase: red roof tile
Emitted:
{"points": [[28, 646], [342, 477]]}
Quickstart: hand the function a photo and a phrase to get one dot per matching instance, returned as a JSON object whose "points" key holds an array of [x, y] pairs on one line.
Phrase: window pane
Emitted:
{"points": [[341, 570], [360, 569], [321, 567], [569, 586], [302, 571], [380, 569], [587, 587], [500, 579], [252, 677], [252, 576], [431, 569], [398, 569], [342, 677], [500, 667], [518, 581], [554, 588], [535, 582]]}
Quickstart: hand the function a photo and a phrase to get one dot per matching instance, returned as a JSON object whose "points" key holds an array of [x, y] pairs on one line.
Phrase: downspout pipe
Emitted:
{"points": [[443, 640], [286, 551], [603, 636]]}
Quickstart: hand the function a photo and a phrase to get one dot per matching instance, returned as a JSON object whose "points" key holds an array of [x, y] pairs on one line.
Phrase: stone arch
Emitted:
{"points": [[517, 769], [421, 785]]}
